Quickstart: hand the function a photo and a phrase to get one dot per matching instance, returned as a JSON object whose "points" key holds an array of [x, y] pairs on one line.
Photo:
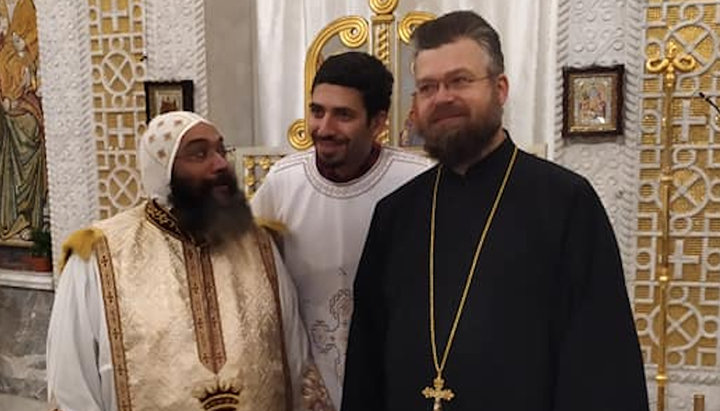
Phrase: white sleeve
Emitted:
{"points": [[79, 368], [262, 202], [297, 348], [309, 391]]}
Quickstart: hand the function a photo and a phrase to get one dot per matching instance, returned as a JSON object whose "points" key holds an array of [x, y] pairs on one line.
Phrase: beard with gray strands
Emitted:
{"points": [[206, 218], [460, 145]]}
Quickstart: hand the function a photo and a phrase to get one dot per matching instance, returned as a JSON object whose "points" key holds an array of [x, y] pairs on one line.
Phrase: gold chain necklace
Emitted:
{"points": [[438, 392]]}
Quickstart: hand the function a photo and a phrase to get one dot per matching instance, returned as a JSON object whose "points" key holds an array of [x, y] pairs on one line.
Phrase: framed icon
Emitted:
{"points": [[164, 96], [593, 101]]}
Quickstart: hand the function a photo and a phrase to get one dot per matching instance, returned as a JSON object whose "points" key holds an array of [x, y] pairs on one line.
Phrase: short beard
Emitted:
{"points": [[461, 146], [205, 218]]}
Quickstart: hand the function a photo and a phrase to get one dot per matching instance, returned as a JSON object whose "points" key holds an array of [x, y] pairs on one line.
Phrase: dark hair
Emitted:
{"points": [[360, 71], [456, 25]]}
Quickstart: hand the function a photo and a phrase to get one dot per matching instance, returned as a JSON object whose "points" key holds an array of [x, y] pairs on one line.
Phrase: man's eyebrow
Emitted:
{"points": [[343, 110], [195, 143], [454, 72]]}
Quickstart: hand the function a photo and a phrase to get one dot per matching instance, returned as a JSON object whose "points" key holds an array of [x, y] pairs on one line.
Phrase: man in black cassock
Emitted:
{"points": [[492, 281]]}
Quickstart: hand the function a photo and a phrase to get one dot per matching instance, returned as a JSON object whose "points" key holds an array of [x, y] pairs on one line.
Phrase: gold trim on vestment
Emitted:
{"points": [[203, 295], [264, 243], [114, 326], [220, 396], [205, 309], [164, 220], [314, 393], [247, 370]]}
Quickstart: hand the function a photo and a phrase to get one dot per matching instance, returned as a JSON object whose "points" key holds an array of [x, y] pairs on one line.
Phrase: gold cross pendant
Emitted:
{"points": [[438, 393]]}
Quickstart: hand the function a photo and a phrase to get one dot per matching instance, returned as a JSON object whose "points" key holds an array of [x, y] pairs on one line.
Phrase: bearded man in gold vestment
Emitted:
{"points": [[181, 303]]}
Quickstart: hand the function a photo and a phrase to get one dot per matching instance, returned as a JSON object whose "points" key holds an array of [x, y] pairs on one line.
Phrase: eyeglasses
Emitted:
{"points": [[202, 154], [428, 88]]}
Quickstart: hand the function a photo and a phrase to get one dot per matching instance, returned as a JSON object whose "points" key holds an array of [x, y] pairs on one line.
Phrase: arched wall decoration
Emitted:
{"points": [[385, 37]]}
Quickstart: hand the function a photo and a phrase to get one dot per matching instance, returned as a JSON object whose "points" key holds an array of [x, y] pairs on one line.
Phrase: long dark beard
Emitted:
{"points": [[203, 216], [462, 145]]}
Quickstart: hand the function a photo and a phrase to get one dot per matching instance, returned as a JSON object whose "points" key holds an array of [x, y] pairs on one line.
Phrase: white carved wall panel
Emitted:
{"points": [[175, 34], [63, 30], [605, 33], [95, 55]]}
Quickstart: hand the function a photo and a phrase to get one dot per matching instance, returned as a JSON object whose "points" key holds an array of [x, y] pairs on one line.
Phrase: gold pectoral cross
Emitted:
{"points": [[438, 393]]}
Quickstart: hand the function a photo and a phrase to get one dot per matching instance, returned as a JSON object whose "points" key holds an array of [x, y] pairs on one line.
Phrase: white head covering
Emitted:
{"points": [[158, 148]]}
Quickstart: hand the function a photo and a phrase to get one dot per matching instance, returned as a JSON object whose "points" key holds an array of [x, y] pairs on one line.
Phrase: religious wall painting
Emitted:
{"points": [[592, 101], [161, 97], [23, 173], [409, 136]]}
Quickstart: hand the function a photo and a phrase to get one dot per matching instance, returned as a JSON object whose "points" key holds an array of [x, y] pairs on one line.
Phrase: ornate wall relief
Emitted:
{"points": [[605, 33], [175, 44], [116, 50], [129, 47], [94, 60], [694, 294], [67, 102]]}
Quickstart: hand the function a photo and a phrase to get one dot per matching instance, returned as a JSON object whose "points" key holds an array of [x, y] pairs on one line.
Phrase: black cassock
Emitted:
{"points": [[547, 325]]}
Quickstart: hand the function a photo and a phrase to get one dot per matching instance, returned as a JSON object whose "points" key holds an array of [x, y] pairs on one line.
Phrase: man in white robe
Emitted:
{"points": [[181, 303], [325, 197]]}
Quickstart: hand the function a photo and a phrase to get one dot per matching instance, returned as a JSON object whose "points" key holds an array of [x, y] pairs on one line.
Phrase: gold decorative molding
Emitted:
{"points": [[676, 291], [382, 38], [669, 64], [388, 36], [297, 136], [410, 22], [666, 66], [383, 6], [253, 163], [383, 42]]}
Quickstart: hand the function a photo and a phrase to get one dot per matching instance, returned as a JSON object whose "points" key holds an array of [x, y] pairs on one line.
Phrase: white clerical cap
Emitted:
{"points": [[158, 148]]}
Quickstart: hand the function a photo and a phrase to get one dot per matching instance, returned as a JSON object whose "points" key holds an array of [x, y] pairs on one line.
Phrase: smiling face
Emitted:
{"points": [[459, 101], [340, 129]]}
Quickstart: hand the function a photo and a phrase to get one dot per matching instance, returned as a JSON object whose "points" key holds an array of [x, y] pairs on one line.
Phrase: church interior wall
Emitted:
{"points": [[24, 316], [95, 55], [604, 34], [230, 68], [625, 171], [694, 295]]}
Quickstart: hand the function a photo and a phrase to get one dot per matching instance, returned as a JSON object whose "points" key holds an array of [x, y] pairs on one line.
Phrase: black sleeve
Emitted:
{"points": [[364, 377], [599, 363]]}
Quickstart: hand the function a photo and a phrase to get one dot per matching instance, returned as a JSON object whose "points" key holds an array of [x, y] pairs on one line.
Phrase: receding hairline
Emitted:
{"points": [[452, 27], [487, 56]]}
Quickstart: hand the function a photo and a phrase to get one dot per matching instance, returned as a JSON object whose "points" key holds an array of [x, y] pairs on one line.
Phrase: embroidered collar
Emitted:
{"points": [[330, 173], [165, 221]]}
